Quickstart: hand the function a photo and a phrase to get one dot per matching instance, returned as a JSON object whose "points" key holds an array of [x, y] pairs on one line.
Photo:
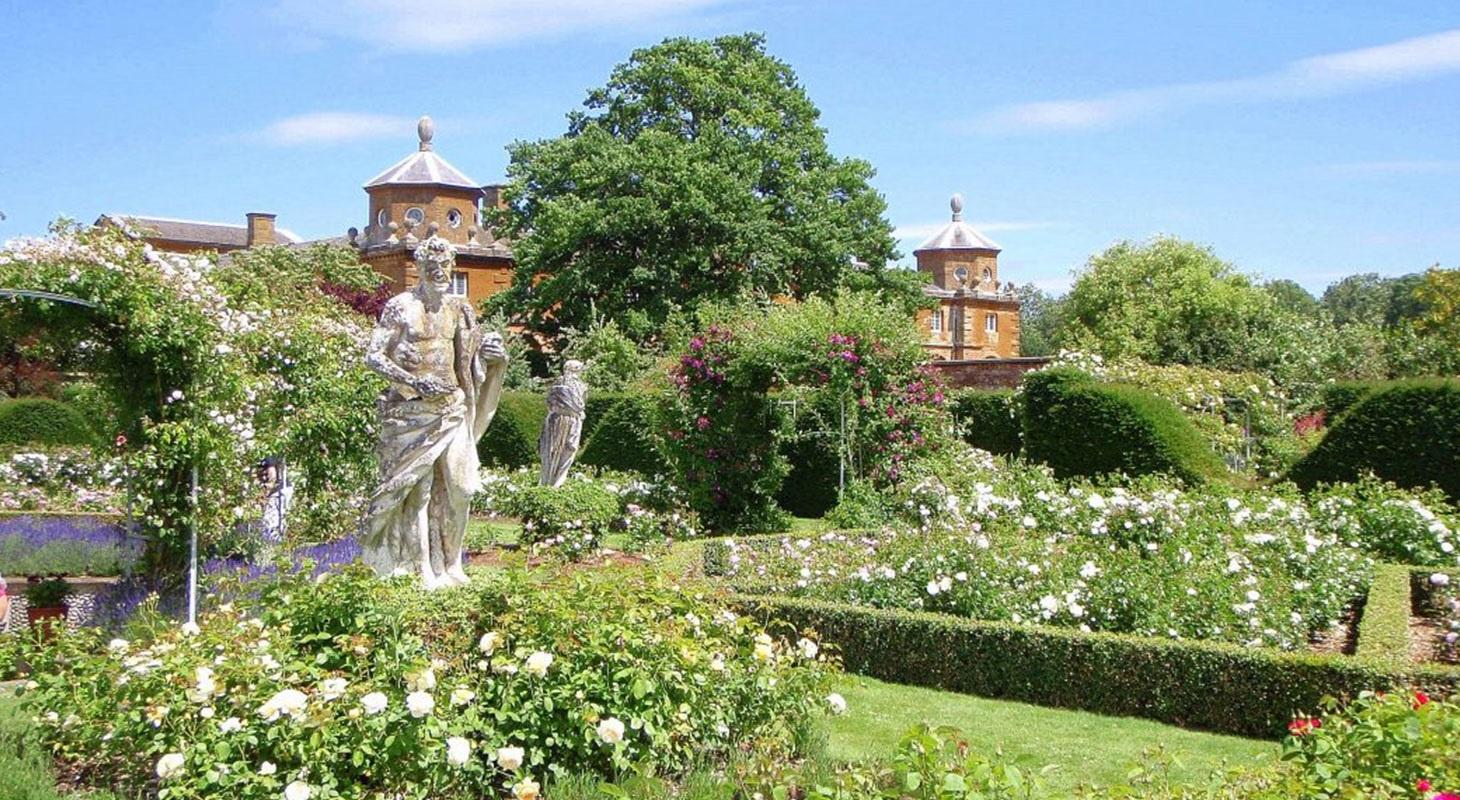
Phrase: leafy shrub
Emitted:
{"points": [[39, 420], [1407, 432], [510, 441], [361, 688], [987, 419], [47, 593], [1205, 685], [1081, 427], [862, 505], [69, 544], [572, 518], [623, 435]]}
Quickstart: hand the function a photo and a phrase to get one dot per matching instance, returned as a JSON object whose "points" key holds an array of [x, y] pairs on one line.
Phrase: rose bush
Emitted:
{"points": [[986, 540], [347, 686]]}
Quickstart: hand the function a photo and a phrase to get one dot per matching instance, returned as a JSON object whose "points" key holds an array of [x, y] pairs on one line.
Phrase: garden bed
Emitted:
{"points": [[1434, 617]]}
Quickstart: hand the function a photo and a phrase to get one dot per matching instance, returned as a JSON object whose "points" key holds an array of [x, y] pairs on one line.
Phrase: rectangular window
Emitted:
{"points": [[458, 283], [937, 320], [991, 323]]}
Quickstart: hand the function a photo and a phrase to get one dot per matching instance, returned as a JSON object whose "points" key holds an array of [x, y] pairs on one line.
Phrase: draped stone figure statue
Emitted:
{"points": [[445, 374], [557, 445]]}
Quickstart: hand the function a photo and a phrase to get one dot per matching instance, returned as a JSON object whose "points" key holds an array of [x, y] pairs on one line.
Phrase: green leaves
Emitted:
{"points": [[697, 173]]}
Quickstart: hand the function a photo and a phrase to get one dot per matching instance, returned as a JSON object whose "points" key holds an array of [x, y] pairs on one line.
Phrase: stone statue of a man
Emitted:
{"points": [[557, 445], [445, 374]]}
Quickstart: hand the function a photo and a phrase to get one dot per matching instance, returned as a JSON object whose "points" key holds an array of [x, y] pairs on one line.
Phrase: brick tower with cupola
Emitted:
{"points": [[424, 194], [974, 318]]}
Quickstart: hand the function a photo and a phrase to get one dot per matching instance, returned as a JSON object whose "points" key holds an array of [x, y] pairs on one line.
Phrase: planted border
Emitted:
{"points": [[1210, 686]]}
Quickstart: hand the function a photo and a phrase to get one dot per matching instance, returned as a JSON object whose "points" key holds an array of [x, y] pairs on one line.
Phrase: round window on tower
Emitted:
{"points": [[961, 275], [381, 218], [453, 218], [415, 216]]}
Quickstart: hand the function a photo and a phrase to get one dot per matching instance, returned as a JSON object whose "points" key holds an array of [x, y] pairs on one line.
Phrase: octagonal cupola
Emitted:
{"points": [[420, 194], [958, 257]]}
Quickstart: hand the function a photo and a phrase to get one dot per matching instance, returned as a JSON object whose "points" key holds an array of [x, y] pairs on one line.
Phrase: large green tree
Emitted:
{"points": [[698, 172]]}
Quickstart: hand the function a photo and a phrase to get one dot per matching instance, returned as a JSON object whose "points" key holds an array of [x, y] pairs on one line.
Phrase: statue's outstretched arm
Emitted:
{"points": [[377, 354]]}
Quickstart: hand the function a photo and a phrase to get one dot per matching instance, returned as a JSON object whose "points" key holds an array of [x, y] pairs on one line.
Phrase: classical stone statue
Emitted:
{"points": [[557, 446], [445, 374]]}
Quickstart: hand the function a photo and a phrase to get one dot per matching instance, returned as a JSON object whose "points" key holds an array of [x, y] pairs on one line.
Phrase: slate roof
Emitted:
{"points": [[191, 231], [423, 167], [957, 234]]}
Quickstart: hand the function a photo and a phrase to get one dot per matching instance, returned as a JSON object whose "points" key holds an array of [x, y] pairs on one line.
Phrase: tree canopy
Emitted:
{"points": [[698, 172]]}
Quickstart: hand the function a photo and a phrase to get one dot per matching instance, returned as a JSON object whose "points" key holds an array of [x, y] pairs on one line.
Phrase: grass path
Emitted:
{"points": [[1088, 748]]}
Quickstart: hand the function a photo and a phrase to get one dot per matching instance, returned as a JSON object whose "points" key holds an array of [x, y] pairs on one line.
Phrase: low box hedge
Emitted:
{"points": [[619, 433], [1384, 626], [510, 441], [1204, 685]]}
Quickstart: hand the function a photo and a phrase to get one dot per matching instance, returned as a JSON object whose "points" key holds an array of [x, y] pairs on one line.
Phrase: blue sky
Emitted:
{"points": [[1304, 140]]}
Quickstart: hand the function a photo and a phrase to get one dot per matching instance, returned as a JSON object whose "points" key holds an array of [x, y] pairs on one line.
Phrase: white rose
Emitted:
{"points": [[460, 696], [489, 641], [509, 758], [458, 751], [191, 629], [231, 725], [1439, 579], [289, 703], [374, 703], [332, 688], [118, 645], [808, 648], [526, 789], [837, 703], [538, 663], [267, 768], [298, 790], [420, 704], [170, 766], [611, 730]]}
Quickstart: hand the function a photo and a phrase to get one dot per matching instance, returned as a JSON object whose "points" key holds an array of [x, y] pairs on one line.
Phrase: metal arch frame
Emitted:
{"points": [[38, 295]]}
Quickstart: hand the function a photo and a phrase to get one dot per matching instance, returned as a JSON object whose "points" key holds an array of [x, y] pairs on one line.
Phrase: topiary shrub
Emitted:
{"points": [[38, 420], [1407, 432], [987, 419], [1080, 427], [621, 435], [511, 440], [1343, 395]]}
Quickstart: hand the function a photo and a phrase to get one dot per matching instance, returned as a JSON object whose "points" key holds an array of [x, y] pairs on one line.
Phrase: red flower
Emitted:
{"points": [[121, 440], [1446, 796], [1420, 698], [1422, 785], [1302, 726]]}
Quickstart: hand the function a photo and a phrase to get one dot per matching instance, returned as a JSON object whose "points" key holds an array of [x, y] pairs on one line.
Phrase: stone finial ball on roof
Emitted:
{"points": [[425, 129], [956, 203]]}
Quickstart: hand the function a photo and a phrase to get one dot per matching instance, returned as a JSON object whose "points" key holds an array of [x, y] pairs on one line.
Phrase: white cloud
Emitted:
{"points": [[1334, 73], [922, 230], [459, 25], [333, 127]]}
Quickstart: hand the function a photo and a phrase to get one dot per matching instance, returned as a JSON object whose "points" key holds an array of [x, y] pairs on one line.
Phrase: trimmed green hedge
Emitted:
{"points": [[39, 420], [1384, 628], [618, 433], [511, 440], [988, 419], [1407, 432], [1343, 395], [1211, 686], [1081, 427]]}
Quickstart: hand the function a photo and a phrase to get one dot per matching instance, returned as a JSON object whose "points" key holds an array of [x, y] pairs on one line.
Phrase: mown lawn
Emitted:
{"points": [[1088, 748]]}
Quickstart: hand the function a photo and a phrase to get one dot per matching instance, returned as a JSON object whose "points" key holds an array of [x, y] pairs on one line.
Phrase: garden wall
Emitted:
{"points": [[987, 373]]}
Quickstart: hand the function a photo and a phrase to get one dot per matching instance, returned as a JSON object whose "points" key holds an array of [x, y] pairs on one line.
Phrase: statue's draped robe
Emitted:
{"points": [[428, 444], [557, 445]]}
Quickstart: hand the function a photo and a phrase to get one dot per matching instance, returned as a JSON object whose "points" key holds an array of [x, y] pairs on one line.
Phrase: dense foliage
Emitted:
{"points": [[61, 479], [511, 440], [42, 421], [620, 432], [1082, 427], [357, 688], [987, 419], [1407, 432], [697, 172], [214, 366]]}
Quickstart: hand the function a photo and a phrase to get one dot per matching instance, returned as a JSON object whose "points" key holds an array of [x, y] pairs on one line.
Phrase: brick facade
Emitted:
{"points": [[988, 373]]}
